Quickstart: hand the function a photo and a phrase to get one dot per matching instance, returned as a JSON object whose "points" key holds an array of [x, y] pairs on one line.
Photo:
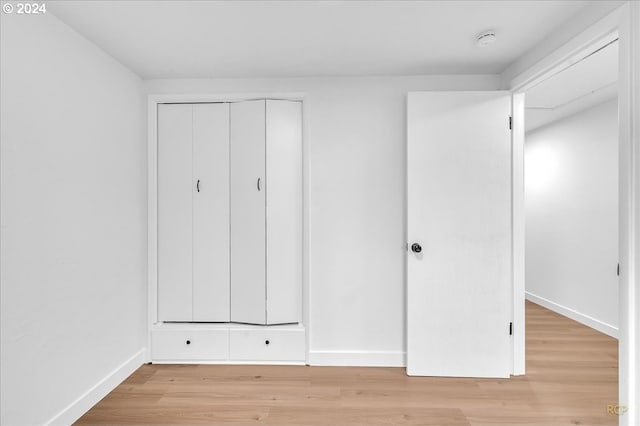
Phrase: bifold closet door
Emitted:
{"points": [[248, 233], [211, 212], [193, 212], [175, 212], [284, 211]]}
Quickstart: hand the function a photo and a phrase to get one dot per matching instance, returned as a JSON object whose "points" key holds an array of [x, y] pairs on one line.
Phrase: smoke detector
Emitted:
{"points": [[486, 38]]}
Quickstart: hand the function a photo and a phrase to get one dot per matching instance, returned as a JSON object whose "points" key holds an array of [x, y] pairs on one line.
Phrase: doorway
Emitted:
{"points": [[571, 210], [571, 191]]}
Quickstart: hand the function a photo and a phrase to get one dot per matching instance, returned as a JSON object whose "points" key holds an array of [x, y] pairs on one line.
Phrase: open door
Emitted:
{"points": [[459, 234]]}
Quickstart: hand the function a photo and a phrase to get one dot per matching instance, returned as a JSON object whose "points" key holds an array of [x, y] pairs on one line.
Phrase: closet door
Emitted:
{"points": [[284, 211], [175, 187], [248, 187], [211, 212]]}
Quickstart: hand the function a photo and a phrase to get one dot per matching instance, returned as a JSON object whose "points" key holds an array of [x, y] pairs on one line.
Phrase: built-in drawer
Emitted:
{"points": [[207, 345], [267, 344]]}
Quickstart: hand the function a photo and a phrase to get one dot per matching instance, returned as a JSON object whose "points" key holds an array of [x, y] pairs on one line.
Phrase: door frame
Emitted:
{"points": [[152, 196], [617, 24]]}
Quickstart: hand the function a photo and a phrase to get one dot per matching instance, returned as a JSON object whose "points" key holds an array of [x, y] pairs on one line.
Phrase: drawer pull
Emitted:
{"points": [[188, 342], [266, 342]]}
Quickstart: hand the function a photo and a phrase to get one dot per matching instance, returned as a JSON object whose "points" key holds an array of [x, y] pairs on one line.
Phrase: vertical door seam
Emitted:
{"points": [[229, 200], [266, 235], [192, 218]]}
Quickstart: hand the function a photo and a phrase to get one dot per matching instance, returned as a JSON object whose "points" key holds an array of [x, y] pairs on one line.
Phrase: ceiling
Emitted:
{"points": [[584, 84], [208, 39]]}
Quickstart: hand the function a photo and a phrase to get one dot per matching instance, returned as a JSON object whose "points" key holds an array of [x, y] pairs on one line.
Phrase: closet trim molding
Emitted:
{"points": [[152, 195]]}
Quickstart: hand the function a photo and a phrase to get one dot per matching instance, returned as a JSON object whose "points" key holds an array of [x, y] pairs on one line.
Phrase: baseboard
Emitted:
{"points": [[596, 324], [358, 358], [226, 362], [87, 400]]}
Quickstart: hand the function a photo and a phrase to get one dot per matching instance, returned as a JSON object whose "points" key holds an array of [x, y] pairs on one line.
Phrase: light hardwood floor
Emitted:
{"points": [[572, 375]]}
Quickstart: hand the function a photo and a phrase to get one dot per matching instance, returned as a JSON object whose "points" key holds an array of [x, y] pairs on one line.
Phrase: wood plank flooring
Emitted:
{"points": [[572, 375]]}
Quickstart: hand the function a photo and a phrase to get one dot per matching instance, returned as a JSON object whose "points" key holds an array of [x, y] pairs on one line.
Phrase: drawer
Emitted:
{"points": [[189, 344], [267, 345]]}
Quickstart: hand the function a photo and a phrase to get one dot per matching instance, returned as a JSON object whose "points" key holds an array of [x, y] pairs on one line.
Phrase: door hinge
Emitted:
{"points": [[510, 123], [510, 329]]}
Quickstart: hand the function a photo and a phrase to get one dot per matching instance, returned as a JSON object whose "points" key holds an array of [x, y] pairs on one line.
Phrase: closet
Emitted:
{"points": [[229, 234]]}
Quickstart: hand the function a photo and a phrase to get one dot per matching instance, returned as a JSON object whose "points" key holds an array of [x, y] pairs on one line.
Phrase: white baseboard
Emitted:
{"points": [[226, 362], [596, 324], [358, 358], [87, 400]]}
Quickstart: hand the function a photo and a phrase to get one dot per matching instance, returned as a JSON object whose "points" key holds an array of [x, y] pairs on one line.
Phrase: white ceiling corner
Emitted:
{"points": [[583, 85]]}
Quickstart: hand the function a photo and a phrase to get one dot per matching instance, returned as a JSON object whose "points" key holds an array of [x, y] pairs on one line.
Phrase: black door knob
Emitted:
{"points": [[416, 248]]}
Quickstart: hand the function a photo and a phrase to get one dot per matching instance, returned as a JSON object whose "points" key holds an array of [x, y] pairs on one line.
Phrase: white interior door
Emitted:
{"points": [[284, 211], [211, 269], [175, 212], [248, 241], [459, 186]]}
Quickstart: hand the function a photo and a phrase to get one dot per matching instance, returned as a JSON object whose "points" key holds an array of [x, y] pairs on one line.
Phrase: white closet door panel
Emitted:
{"points": [[248, 212], [284, 211], [174, 213], [211, 212]]}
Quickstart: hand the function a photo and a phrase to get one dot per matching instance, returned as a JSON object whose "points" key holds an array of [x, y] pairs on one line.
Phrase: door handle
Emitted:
{"points": [[416, 248], [198, 185], [258, 184]]}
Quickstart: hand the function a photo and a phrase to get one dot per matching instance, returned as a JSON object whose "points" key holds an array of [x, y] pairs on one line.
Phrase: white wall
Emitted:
{"points": [[571, 199], [355, 141], [73, 219]]}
